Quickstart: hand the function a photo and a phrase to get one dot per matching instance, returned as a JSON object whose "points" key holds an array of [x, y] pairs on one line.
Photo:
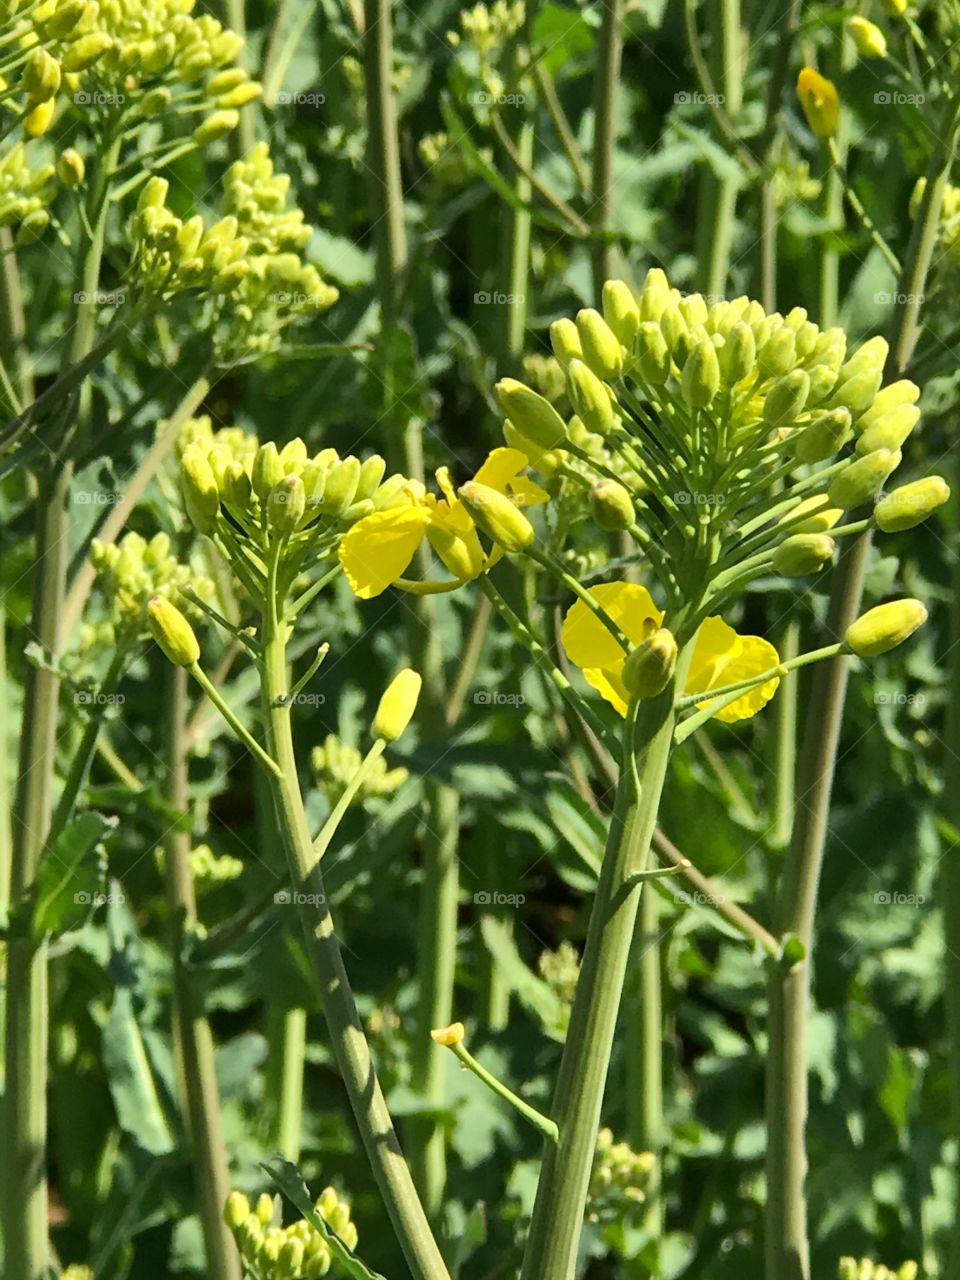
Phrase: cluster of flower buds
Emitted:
{"points": [[751, 433], [248, 261], [619, 1181], [297, 1252], [561, 969], [25, 192], [130, 574], [864, 1269], [485, 32], [250, 497], [335, 764], [207, 868]]}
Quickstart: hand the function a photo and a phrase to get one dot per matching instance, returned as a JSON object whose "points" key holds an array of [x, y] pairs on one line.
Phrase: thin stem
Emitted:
{"points": [[606, 84], [561, 1195], [242, 733], [856, 204], [197, 1078], [383, 155], [348, 1041], [115, 522], [787, 1244], [329, 828], [542, 1123], [785, 716]]}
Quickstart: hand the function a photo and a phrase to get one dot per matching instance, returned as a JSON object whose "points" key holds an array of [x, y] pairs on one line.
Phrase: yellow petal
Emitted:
{"points": [[589, 643], [527, 493], [722, 657], [609, 686], [462, 554], [377, 550], [500, 468]]}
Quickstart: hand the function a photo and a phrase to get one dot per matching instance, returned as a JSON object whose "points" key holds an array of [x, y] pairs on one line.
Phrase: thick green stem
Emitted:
{"points": [[645, 1121], [200, 1095], [787, 1245], [719, 215], [348, 1041], [383, 156], [561, 1195], [24, 1185], [606, 85], [785, 717]]}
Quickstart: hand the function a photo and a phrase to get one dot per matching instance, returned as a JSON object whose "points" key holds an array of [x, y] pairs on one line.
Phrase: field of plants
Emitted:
{"points": [[480, 619]]}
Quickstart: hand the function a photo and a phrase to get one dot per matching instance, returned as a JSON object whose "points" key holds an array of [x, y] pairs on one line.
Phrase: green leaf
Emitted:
{"points": [[535, 994], [135, 1095], [70, 876], [579, 826], [289, 1181]]}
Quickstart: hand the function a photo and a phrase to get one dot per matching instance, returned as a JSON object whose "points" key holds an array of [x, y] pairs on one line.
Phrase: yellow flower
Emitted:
{"points": [[820, 101], [720, 656], [378, 550]]}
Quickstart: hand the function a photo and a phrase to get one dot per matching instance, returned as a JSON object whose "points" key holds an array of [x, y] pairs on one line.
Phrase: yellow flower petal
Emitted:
{"points": [[722, 657], [378, 549], [589, 643], [500, 468], [609, 686]]}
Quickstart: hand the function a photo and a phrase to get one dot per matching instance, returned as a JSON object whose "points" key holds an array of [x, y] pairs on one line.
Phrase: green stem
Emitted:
{"points": [[950, 889], [606, 84], [787, 1245], [133, 491], [200, 1096], [785, 717], [327, 832], [24, 1183], [383, 155], [645, 1117], [543, 1123], [293, 1046], [561, 1195], [720, 227], [349, 1043]]}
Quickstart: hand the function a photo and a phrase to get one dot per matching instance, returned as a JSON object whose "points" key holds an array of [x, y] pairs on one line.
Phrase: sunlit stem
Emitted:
{"points": [[246, 737], [543, 1123], [329, 828]]}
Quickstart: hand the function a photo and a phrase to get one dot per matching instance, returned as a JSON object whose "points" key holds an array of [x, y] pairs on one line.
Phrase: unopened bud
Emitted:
{"points": [[341, 486], [890, 431], [532, 414], [911, 504], [778, 355], [652, 353], [611, 506], [786, 399], [890, 397], [236, 1211], [590, 398], [267, 470], [884, 627], [820, 101], [41, 76], [286, 504], [812, 515], [803, 553], [700, 380], [200, 492], [862, 479], [824, 436], [565, 341], [738, 355], [38, 121], [602, 352], [397, 705], [83, 53], [449, 1036], [172, 632], [650, 665], [71, 168], [621, 312], [498, 517], [216, 126], [867, 36]]}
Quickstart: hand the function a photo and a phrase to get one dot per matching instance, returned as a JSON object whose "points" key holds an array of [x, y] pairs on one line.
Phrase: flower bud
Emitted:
{"points": [[862, 479], [738, 355], [154, 194], [621, 312], [867, 36], [890, 397], [71, 168], [911, 504], [41, 76], [824, 436], [673, 326], [172, 632], [83, 53], [200, 492], [565, 341], [236, 1211], [532, 414], [611, 506], [857, 391], [812, 515], [267, 470], [786, 399], [371, 473], [590, 398], [803, 553], [820, 101], [497, 516], [38, 121], [341, 486], [242, 95], [449, 1036], [655, 296], [890, 431], [286, 504], [397, 705], [896, 9], [884, 627], [235, 486], [264, 1209], [291, 1258], [778, 354], [602, 352], [700, 380], [224, 81], [63, 20], [652, 353], [650, 665], [216, 126], [155, 100]]}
